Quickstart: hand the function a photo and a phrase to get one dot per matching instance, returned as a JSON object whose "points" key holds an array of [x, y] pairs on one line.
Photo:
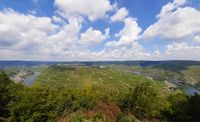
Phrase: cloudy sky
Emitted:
{"points": [[87, 30]]}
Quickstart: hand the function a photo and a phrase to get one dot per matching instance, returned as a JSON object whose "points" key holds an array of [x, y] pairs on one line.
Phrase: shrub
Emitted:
{"points": [[125, 118], [144, 101]]}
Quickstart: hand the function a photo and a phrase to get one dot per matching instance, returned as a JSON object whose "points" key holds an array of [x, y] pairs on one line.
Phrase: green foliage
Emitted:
{"points": [[7, 94], [76, 93], [4, 96], [81, 117], [124, 118], [40, 104], [35, 104], [144, 100], [177, 111], [78, 118], [194, 108], [98, 118]]}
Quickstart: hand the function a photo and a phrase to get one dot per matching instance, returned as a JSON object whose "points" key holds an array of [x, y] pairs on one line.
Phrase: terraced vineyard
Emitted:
{"points": [[192, 74], [81, 77]]}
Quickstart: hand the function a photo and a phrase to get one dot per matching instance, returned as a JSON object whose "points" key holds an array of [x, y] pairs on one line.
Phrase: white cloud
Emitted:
{"points": [[33, 12], [93, 37], [25, 35], [134, 52], [129, 33], [49, 42], [14, 26], [93, 9], [67, 36], [176, 25], [197, 38], [170, 7], [57, 19], [179, 51], [120, 15]]}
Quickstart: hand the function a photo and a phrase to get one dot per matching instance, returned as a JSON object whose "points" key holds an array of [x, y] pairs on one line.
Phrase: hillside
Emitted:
{"points": [[75, 93], [192, 75], [80, 77]]}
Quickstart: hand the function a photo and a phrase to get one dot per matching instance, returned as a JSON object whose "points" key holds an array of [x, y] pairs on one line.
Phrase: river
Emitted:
{"points": [[31, 79], [189, 90]]}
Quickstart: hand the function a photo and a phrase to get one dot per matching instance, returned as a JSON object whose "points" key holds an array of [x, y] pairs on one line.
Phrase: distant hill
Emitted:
{"points": [[24, 63], [166, 65]]}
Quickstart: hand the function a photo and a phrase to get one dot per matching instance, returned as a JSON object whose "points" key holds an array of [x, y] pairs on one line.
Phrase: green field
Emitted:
{"points": [[82, 77]]}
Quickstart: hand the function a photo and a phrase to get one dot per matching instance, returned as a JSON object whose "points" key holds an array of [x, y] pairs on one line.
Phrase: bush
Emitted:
{"points": [[36, 104], [144, 101], [78, 117], [125, 118], [178, 105]]}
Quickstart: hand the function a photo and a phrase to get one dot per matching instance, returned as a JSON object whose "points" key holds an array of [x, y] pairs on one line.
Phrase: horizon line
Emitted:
{"points": [[92, 60]]}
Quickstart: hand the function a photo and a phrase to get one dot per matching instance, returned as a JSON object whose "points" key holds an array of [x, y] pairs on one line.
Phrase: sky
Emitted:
{"points": [[99, 30]]}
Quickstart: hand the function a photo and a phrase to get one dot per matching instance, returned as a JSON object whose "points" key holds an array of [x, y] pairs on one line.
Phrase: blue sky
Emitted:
{"points": [[68, 30]]}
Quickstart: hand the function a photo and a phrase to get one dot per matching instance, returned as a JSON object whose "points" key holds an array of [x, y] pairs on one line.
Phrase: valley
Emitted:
{"points": [[99, 91]]}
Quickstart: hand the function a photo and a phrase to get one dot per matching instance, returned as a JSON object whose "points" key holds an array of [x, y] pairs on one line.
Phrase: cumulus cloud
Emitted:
{"points": [[93, 9], [14, 27], [129, 33], [175, 25], [18, 35], [92, 37], [133, 52], [179, 51], [170, 7], [51, 42], [120, 15], [60, 37]]}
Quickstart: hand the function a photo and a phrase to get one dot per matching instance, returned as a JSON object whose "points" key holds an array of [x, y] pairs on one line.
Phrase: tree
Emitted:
{"points": [[144, 100], [194, 108], [178, 107], [4, 96]]}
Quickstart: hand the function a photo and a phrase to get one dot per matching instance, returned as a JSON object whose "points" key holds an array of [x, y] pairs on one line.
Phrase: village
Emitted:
{"points": [[20, 76]]}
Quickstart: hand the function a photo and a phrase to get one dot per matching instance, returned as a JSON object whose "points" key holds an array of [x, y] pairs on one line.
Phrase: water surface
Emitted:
{"points": [[31, 79]]}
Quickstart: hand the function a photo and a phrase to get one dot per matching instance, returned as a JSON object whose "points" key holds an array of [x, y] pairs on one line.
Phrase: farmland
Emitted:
{"points": [[105, 79]]}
